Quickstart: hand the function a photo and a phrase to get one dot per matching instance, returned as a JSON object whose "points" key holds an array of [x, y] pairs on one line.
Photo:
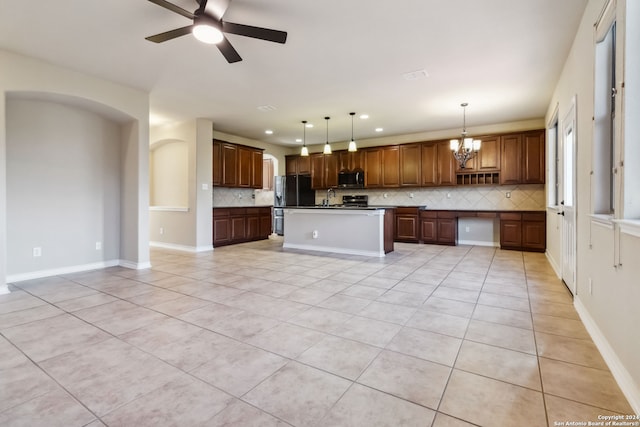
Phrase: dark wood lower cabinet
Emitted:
{"points": [[237, 225], [406, 225], [438, 227], [525, 231]]}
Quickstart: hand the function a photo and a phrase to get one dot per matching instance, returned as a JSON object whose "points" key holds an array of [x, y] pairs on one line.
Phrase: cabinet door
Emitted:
{"points": [[428, 230], [533, 167], [356, 160], [406, 228], [238, 228], [221, 231], [489, 154], [344, 160], [410, 159], [317, 171], [446, 164], [429, 164], [534, 236], [291, 165], [304, 165], [217, 163], [330, 170], [245, 166], [373, 168], [229, 165], [265, 225], [253, 227], [511, 159], [267, 174], [391, 167], [256, 169], [447, 231], [510, 234]]}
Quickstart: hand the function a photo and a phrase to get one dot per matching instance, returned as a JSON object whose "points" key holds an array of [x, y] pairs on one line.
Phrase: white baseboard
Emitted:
{"points": [[134, 265], [60, 271], [629, 388], [182, 248], [479, 243], [333, 250], [555, 266], [4, 289]]}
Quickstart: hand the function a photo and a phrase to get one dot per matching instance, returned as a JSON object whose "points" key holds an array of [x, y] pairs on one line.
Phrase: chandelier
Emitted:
{"points": [[465, 148]]}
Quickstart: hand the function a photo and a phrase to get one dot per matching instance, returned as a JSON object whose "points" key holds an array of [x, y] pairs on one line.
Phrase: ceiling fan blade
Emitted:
{"points": [[255, 32], [217, 8], [163, 37], [229, 52], [173, 8]]}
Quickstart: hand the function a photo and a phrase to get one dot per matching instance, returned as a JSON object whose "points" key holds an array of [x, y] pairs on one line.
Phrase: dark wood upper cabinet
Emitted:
{"points": [[391, 166], [244, 167], [217, 163], [534, 158], [304, 165], [349, 160], [523, 160], [373, 167], [511, 170], [297, 165], [429, 164], [229, 165], [446, 164], [330, 171], [236, 165], [410, 165], [317, 170], [291, 165]]}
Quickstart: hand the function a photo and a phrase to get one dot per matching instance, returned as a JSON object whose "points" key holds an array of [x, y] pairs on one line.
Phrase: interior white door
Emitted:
{"points": [[568, 203]]}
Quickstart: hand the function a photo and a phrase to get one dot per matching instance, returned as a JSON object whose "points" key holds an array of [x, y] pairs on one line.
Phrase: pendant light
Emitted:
{"points": [[466, 148], [305, 151], [327, 147], [352, 143]]}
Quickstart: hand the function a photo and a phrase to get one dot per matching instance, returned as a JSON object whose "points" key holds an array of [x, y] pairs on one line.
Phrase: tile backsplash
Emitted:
{"points": [[498, 197], [502, 197], [228, 197]]}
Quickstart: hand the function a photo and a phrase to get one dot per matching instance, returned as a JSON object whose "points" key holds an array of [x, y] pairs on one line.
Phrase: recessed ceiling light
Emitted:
{"points": [[379, 129], [309, 125], [265, 108], [268, 132], [364, 116], [416, 75], [298, 140]]}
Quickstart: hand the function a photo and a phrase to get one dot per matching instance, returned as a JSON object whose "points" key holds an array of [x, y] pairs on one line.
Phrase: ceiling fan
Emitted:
{"points": [[209, 27]]}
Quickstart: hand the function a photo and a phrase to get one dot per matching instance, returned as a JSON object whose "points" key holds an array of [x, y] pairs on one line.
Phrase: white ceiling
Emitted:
{"points": [[503, 57]]}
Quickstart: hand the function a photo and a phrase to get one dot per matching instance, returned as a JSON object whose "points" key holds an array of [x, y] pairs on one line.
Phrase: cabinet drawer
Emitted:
{"points": [[510, 216], [428, 214], [406, 211], [446, 214], [218, 213], [534, 216]]}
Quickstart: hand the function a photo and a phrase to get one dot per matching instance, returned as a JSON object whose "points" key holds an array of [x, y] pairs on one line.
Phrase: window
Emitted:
{"points": [[553, 161], [604, 154]]}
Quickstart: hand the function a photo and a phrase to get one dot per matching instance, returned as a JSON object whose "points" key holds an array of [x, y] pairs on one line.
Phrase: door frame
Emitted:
{"points": [[569, 267]]}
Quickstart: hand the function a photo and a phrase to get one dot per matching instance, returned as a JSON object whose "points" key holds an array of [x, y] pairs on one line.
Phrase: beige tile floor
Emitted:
{"points": [[252, 335]]}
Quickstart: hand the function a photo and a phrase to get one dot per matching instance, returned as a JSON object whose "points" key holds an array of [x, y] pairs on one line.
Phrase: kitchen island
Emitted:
{"points": [[345, 230]]}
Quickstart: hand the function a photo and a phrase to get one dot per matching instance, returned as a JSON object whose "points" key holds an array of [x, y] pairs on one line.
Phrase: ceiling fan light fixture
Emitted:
{"points": [[207, 30]]}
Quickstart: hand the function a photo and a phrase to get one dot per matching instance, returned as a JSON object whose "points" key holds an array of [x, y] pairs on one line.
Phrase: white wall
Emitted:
{"points": [[127, 106], [190, 229], [63, 186], [610, 311]]}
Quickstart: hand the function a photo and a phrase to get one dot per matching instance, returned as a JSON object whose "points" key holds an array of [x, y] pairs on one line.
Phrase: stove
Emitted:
{"points": [[359, 201]]}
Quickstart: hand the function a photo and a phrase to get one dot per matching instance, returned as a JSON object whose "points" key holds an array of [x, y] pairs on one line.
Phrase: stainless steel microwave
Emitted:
{"points": [[351, 179]]}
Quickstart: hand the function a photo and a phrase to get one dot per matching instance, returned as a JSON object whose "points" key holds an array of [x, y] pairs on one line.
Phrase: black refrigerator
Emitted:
{"points": [[290, 190]]}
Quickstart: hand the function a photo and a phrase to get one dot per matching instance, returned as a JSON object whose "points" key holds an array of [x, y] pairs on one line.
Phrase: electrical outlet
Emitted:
{"points": [[161, 230], [467, 229], [448, 195], [411, 195], [590, 286], [98, 246], [508, 194], [37, 252], [205, 186]]}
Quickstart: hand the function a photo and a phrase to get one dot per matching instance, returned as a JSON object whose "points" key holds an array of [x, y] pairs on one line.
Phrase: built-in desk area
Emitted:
{"points": [[518, 230]]}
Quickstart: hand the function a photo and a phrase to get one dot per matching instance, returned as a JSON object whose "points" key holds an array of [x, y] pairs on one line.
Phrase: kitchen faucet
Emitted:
{"points": [[329, 191]]}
